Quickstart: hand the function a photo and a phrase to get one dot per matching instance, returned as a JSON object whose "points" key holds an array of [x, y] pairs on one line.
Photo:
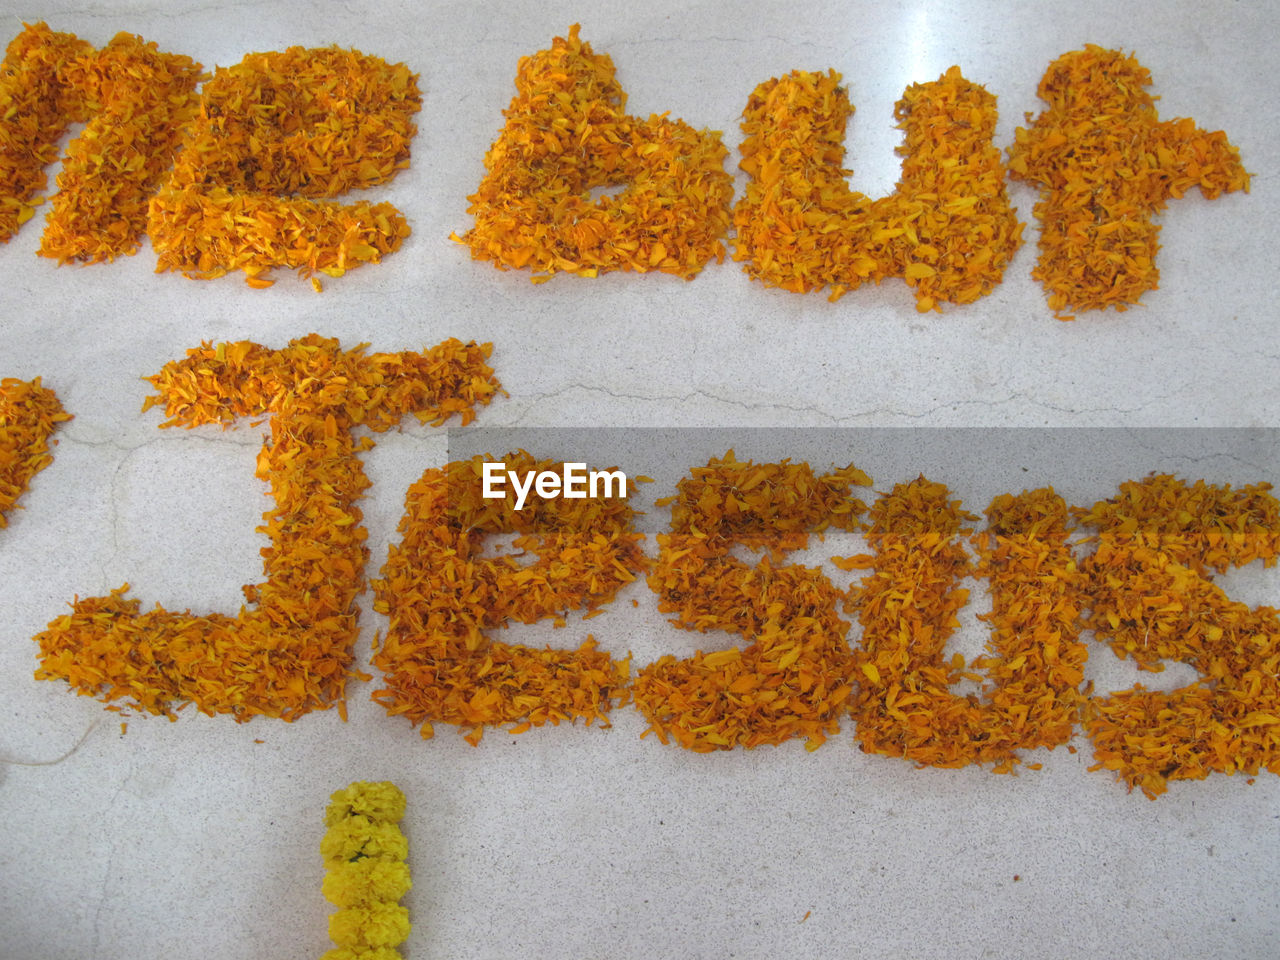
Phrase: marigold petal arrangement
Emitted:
{"points": [[794, 677], [29, 413], [1151, 600], [39, 108], [289, 652], [137, 101], [443, 597], [567, 136], [575, 184], [1105, 164], [907, 606], [364, 855], [948, 229], [276, 136]]}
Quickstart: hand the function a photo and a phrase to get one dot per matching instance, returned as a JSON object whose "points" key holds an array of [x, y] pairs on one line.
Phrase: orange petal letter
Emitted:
{"points": [[277, 135], [135, 101], [567, 134], [443, 595], [905, 706], [1152, 599], [38, 107], [1105, 163], [29, 413], [289, 651], [794, 677], [948, 229]]}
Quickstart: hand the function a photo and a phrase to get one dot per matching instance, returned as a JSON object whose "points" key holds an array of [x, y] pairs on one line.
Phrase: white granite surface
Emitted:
{"points": [[193, 839]]}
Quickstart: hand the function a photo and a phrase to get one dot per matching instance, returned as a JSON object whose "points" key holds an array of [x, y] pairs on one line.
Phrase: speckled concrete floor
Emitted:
{"points": [[199, 838]]}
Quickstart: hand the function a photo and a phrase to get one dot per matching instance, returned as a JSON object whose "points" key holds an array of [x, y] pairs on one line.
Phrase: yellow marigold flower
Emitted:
{"points": [[377, 953], [358, 837], [377, 801], [365, 881], [374, 925]]}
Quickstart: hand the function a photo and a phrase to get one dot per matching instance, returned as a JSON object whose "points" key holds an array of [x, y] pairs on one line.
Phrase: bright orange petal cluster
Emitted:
{"points": [[568, 136], [38, 107], [137, 101], [29, 413], [275, 135], [289, 651], [1152, 600], [905, 706], [794, 677], [444, 595], [948, 229], [1106, 163]]}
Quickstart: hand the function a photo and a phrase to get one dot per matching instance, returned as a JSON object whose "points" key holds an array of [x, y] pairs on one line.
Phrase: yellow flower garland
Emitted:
{"points": [[364, 853]]}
